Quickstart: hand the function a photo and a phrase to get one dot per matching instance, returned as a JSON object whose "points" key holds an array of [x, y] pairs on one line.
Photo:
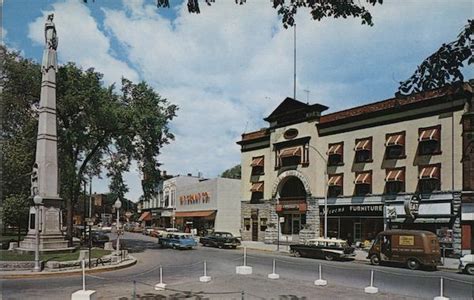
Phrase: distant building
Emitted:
{"points": [[372, 162]]}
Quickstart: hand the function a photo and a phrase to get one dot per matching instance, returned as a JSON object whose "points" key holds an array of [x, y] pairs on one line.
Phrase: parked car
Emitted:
{"points": [[106, 228], [414, 248], [99, 238], [328, 249], [162, 231], [220, 239], [177, 240], [466, 264]]}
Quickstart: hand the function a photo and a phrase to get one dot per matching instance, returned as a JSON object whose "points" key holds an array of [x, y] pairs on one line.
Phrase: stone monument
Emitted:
{"points": [[44, 176]]}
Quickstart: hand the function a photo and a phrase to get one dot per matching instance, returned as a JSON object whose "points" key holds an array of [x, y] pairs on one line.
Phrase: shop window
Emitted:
{"points": [[429, 140], [247, 224], [363, 150], [263, 224], [335, 154]]}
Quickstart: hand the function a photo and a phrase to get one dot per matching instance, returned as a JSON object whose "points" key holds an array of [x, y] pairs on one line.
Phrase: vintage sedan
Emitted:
{"points": [[220, 239], [177, 240], [328, 249]]}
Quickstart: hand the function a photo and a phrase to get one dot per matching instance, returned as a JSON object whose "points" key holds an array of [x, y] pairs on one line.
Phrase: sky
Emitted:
{"points": [[230, 66]]}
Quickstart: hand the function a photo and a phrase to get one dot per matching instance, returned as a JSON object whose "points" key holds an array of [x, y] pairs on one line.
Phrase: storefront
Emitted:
{"points": [[354, 223]]}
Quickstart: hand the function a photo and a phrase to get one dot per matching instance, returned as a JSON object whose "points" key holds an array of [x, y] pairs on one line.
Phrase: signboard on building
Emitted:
{"points": [[353, 210], [412, 206], [196, 198]]}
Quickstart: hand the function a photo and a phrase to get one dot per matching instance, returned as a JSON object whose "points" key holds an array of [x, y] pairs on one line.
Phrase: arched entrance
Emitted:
{"points": [[291, 191]]}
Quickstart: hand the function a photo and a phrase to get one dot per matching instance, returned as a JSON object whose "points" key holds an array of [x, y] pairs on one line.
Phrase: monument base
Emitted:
{"points": [[84, 295]]}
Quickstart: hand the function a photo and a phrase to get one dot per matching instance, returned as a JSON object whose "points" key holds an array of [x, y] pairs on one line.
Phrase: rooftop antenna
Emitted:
{"points": [[307, 96], [294, 61]]}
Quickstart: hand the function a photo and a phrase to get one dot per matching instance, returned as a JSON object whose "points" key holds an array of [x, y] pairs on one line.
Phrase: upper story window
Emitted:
{"points": [[257, 192], [290, 156], [335, 185], [258, 164], [363, 150], [395, 145], [335, 154], [429, 178], [429, 140], [363, 183], [395, 181]]}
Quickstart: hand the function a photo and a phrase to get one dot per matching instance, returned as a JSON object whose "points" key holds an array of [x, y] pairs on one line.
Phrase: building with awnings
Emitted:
{"points": [[209, 205], [403, 162]]}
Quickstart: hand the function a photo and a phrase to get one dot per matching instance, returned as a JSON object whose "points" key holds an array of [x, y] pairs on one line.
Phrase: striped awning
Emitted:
{"points": [[146, 216], [397, 139], [290, 152], [335, 180], [429, 134], [335, 149], [257, 162], [363, 178], [429, 172], [257, 187], [395, 175], [363, 145]]}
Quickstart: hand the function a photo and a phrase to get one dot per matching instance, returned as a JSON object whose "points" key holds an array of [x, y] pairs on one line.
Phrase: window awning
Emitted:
{"points": [[335, 149], [429, 172], [365, 144], [397, 139], [430, 134], [395, 175], [146, 216], [290, 152], [257, 162], [335, 180], [257, 187], [363, 178], [192, 214]]}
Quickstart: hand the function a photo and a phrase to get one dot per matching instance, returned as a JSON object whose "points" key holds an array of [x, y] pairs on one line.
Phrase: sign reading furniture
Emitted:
{"points": [[354, 210], [197, 198]]}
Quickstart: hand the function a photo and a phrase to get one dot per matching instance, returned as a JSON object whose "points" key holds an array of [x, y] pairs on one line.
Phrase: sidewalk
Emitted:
{"points": [[361, 255]]}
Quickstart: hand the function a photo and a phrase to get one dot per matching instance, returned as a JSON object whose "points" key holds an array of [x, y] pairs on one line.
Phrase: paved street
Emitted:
{"points": [[181, 270]]}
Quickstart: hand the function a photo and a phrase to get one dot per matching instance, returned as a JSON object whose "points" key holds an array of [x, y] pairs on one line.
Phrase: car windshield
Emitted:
{"points": [[185, 237]]}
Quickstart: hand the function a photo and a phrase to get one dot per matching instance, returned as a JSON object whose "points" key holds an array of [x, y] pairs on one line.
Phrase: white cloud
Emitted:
{"points": [[81, 41]]}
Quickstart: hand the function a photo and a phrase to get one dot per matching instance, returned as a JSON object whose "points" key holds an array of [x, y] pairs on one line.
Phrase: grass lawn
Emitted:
{"points": [[6, 255]]}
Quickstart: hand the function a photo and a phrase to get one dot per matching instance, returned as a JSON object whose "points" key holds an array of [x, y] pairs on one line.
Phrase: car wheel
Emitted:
{"points": [[469, 269], [413, 264], [328, 257], [296, 254], [220, 246], [174, 247], [375, 260]]}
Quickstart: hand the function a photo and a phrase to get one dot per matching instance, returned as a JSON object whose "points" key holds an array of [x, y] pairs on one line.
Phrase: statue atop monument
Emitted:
{"points": [[51, 45]]}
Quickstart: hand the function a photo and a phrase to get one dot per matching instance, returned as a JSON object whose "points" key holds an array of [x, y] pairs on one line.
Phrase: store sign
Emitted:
{"points": [[412, 206], [197, 198], [353, 210], [302, 207], [391, 213]]}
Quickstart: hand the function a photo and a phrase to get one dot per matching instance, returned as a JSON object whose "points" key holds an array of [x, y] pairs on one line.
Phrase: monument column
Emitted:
{"points": [[44, 177]]}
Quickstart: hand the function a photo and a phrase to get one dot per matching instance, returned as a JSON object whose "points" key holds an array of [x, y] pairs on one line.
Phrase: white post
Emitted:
{"points": [[205, 278], [320, 281], [83, 275], [205, 272], [441, 287], [37, 267], [245, 256], [161, 275], [83, 294], [118, 234], [273, 267], [326, 188], [160, 286], [273, 275], [244, 270], [371, 289]]}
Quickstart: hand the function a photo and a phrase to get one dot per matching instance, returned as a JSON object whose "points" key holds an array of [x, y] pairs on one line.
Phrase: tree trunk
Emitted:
{"points": [[19, 233], [69, 221]]}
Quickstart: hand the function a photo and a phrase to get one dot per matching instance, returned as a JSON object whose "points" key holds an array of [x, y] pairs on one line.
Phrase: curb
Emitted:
{"points": [[69, 272]]}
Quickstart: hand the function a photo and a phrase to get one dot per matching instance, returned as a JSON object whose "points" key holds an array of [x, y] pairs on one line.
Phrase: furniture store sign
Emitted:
{"points": [[196, 198], [353, 210]]}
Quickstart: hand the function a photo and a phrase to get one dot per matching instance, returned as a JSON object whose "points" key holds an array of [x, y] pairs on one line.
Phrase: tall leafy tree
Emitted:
{"points": [[234, 172], [15, 212]]}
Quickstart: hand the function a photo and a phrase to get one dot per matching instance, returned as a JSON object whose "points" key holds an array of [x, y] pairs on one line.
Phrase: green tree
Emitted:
{"points": [[15, 211], [234, 172]]}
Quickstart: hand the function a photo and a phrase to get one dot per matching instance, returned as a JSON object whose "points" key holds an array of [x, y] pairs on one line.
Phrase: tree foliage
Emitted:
{"points": [[234, 172], [15, 211], [98, 127], [444, 66]]}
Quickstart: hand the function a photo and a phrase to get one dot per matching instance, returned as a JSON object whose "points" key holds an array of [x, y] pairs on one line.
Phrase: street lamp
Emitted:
{"points": [[38, 200], [326, 188], [117, 206]]}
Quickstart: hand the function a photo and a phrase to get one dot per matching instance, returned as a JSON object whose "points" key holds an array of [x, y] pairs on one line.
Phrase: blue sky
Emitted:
{"points": [[230, 66]]}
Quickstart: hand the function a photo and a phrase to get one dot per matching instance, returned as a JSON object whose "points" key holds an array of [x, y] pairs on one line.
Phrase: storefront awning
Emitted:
{"points": [[363, 145], [193, 214], [395, 175], [257, 187], [335, 149], [397, 139], [146, 216], [429, 172], [290, 152], [431, 134], [335, 180], [363, 178], [257, 162]]}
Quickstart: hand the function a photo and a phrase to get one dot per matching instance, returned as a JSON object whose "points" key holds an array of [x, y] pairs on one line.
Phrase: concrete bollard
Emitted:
{"points": [[12, 246], [320, 281], [371, 289], [244, 270], [108, 246], [84, 294], [160, 286], [273, 275], [441, 292], [205, 278]]}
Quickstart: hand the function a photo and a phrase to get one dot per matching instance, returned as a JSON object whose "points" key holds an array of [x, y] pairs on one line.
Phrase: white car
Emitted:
{"points": [[466, 264]]}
